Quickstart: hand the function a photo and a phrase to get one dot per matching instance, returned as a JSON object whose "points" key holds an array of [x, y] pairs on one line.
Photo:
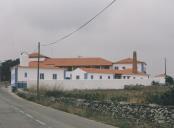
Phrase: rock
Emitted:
{"points": [[153, 105], [154, 113], [172, 116], [123, 103], [161, 121]]}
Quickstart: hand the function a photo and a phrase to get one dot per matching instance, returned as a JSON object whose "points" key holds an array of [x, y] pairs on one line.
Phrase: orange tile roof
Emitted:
{"points": [[62, 62], [35, 55], [128, 61], [34, 64], [111, 71]]}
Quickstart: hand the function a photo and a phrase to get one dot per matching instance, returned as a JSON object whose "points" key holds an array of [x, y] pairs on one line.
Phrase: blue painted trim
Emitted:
{"points": [[64, 74], [16, 74]]}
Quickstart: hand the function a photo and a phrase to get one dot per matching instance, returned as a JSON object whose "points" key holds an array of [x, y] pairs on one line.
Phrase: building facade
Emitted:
{"points": [[20, 75], [103, 74], [81, 68], [128, 63]]}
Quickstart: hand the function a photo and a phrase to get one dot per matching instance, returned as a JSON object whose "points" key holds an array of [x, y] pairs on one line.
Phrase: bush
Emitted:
{"points": [[169, 80], [54, 93], [166, 98], [119, 98]]}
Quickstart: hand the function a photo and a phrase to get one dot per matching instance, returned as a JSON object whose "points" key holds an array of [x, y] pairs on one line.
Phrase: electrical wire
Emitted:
{"points": [[79, 28]]}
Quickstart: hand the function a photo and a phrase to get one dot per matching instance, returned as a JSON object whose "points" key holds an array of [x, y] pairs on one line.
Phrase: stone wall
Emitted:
{"points": [[158, 115]]}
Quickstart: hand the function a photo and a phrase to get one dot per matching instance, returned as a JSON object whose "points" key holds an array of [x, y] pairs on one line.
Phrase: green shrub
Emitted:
{"points": [[169, 80], [54, 93], [166, 98]]}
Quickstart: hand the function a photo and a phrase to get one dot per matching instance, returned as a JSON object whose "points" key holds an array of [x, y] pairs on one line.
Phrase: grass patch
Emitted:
{"points": [[139, 95]]}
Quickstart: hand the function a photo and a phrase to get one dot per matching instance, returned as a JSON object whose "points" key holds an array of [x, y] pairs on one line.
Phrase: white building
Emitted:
{"points": [[161, 79], [55, 70], [90, 74], [27, 71], [21, 75], [103, 74]]}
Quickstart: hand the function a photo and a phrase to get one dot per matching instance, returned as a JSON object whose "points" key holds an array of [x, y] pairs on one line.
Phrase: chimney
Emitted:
{"points": [[134, 63], [24, 59]]}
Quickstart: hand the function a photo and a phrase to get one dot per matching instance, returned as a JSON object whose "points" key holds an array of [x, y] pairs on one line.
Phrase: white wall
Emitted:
{"points": [[135, 76], [97, 76], [76, 72], [36, 59], [81, 74], [89, 84], [24, 59], [32, 73]]}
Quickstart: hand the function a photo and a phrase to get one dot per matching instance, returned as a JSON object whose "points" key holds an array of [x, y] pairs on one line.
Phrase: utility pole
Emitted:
{"points": [[165, 63], [38, 73], [165, 68]]}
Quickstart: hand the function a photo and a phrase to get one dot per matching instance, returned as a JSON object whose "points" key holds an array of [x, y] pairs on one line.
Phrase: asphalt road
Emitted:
{"points": [[19, 113]]}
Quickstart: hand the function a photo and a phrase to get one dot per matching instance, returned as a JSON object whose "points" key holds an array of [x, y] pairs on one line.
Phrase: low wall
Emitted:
{"points": [[90, 84], [158, 116]]}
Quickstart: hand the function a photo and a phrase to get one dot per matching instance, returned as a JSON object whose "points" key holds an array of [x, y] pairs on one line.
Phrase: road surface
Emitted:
{"points": [[19, 113]]}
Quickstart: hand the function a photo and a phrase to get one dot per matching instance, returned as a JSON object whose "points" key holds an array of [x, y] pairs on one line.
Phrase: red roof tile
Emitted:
{"points": [[128, 61], [62, 62], [110, 71], [35, 55], [68, 62], [42, 64]]}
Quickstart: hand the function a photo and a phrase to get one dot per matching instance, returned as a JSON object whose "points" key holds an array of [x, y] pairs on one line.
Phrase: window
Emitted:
{"points": [[128, 77], [133, 77], [42, 76], [54, 76], [92, 77], [123, 67], [117, 76], [25, 75], [77, 77], [109, 77], [100, 77], [124, 77], [116, 68]]}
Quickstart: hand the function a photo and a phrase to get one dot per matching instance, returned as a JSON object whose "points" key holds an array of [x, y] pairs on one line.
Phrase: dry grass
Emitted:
{"points": [[139, 95]]}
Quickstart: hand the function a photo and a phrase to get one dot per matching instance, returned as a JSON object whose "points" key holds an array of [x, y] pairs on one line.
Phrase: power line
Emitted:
{"points": [[82, 26]]}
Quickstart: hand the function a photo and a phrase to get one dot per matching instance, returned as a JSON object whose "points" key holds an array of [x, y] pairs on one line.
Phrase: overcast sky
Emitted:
{"points": [[146, 26]]}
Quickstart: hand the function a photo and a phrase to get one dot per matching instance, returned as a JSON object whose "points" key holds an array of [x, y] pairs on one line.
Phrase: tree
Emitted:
{"points": [[5, 68], [169, 80]]}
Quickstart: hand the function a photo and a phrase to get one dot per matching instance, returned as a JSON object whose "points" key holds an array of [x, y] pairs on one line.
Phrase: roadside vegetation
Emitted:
{"points": [[156, 94], [138, 94]]}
